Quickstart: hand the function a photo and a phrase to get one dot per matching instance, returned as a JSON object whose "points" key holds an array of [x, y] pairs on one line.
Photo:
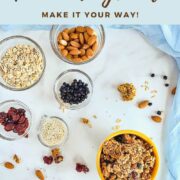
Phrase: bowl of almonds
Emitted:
{"points": [[77, 44], [22, 63]]}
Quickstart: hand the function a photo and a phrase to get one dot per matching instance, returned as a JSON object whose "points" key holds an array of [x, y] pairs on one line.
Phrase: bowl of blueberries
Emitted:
{"points": [[73, 89]]}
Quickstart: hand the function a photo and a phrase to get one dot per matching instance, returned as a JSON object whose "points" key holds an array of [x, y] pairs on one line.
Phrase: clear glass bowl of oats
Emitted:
{"points": [[22, 63], [130, 149], [77, 44], [53, 131]]}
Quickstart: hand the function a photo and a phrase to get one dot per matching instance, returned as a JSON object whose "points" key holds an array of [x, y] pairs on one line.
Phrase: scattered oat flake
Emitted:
{"points": [[116, 128], [16, 159], [118, 120], [86, 121], [94, 116]]}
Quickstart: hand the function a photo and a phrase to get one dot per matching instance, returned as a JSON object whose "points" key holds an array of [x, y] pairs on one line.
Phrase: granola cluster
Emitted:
{"points": [[128, 91], [127, 157]]}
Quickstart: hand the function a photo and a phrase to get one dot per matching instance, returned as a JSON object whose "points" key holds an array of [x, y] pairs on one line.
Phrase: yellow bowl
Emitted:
{"points": [[138, 134]]}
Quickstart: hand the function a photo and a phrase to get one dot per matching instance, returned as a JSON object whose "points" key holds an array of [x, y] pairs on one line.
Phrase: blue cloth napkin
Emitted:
{"points": [[167, 39]]}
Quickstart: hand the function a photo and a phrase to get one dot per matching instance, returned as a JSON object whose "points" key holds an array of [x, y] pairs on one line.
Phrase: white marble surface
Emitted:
{"points": [[126, 57]]}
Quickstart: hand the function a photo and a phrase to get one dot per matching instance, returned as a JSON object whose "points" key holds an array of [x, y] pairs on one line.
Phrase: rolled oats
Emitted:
{"points": [[127, 157], [21, 66]]}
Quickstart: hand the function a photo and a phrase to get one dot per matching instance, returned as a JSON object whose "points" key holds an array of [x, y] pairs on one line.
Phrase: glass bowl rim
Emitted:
{"points": [[29, 120], [71, 62], [40, 125], [69, 71], [42, 53]]}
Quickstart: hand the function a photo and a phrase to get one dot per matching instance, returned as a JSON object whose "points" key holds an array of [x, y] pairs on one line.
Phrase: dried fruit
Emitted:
{"points": [[156, 118], [48, 159], [58, 159], [81, 168], [55, 152], [14, 120], [143, 104], [39, 174], [16, 159], [173, 92], [9, 165]]}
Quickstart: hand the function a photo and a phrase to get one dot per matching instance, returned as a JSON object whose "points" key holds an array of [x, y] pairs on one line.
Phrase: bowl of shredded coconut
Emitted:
{"points": [[53, 131]]}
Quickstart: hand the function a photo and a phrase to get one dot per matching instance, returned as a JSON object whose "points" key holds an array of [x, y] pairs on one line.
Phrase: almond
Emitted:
{"points": [[75, 52], [83, 52], [70, 48], [173, 92], [75, 44], [39, 174], [64, 52], [65, 36], [95, 46], [143, 104], [92, 40], [72, 30], [77, 59], [90, 31], [84, 58], [85, 46], [61, 47], [156, 118], [73, 36], [81, 38], [9, 165], [60, 36], [89, 52], [63, 42], [16, 159], [86, 36], [80, 29]]}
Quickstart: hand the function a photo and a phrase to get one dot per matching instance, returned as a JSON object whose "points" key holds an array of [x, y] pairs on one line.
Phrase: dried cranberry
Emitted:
{"points": [[81, 168], [3, 115], [9, 127], [48, 159], [1, 120], [22, 119], [15, 117], [21, 111]]}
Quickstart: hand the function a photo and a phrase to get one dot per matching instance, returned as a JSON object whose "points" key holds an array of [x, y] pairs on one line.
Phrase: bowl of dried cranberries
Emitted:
{"points": [[15, 120]]}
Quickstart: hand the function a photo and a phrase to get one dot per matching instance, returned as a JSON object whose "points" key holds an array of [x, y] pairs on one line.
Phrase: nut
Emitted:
{"points": [[156, 118], [143, 104], [39, 174], [78, 44], [16, 159], [173, 92], [9, 165]]}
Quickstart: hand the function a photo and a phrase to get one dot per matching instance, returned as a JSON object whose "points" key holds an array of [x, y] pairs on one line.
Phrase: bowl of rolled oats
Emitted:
{"points": [[22, 63], [127, 154]]}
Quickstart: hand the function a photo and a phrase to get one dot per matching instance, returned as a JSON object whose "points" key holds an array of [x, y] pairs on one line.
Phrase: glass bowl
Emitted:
{"points": [[68, 76], [56, 29], [45, 117], [4, 107], [12, 41], [138, 134]]}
